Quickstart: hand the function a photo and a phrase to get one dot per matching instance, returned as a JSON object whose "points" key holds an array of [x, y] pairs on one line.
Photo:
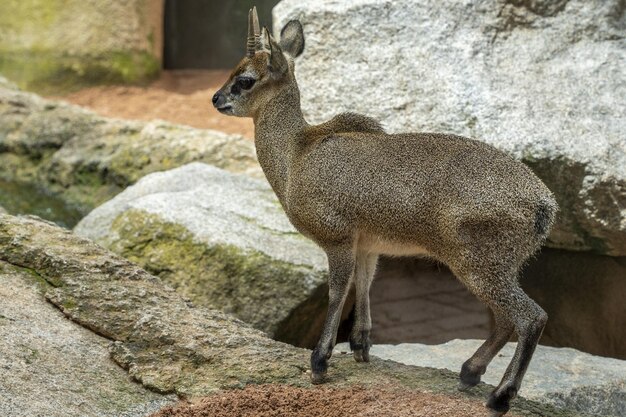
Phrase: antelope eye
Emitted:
{"points": [[245, 83]]}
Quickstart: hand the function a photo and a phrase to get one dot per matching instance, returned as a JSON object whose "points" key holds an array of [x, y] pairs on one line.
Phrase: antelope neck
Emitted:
{"points": [[276, 126]]}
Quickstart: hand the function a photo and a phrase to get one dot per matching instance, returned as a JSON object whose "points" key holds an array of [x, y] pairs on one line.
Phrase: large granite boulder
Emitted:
{"points": [[222, 240], [60, 44], [52, 367], [88, 159], [564, 377], [541, 80], [171, 346]]}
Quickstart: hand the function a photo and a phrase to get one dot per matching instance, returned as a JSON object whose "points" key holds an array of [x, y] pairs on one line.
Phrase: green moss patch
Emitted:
{"points": [[53, 73], [254, 287]]}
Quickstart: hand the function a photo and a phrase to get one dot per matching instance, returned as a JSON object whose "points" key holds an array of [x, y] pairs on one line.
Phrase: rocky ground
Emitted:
{"points": [[42, 352], [559, 376], [167, 344]]}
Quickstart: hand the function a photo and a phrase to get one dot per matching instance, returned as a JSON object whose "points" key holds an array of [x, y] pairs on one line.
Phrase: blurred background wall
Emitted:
{"points": [[60, 45], [63, 43], [208, 34]]}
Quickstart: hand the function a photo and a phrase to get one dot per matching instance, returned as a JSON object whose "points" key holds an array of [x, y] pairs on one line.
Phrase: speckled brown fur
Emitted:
{"points": [[360, 192]]}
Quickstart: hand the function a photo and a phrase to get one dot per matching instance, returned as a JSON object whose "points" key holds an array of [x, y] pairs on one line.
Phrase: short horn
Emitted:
{"points": [[254, 33]]}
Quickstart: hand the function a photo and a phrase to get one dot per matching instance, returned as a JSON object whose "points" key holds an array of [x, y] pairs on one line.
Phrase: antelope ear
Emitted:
{"points": [[292, 38], [277, 62]]}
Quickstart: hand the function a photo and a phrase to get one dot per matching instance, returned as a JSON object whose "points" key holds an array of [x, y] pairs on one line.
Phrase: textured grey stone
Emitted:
{"points": [[162, 340], [541, 80], [203, 210], [51, 366], [88, 159], [563, 377]]}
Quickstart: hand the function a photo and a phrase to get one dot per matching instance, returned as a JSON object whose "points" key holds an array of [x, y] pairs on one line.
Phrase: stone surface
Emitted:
{"points": [[169, 345], [159, 337], [66, 149], [222, 240], [540, 80], [66, 365], [56, 44], [564, 377]]}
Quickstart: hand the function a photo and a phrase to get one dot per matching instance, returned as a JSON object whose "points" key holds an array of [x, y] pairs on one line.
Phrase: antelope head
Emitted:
{"points": [[267, 67]]}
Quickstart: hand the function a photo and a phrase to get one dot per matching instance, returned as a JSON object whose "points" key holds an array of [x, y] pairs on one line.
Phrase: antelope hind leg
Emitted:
{"points": [[474, 368]]}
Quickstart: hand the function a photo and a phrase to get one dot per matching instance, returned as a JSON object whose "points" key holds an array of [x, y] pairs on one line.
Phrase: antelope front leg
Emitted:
{"points": [[363, 277], [341, 268]]}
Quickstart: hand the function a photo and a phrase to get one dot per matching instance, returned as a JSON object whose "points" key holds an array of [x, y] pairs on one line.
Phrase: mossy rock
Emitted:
{"points": [[67, 365], [85, 159], [50, 73], [222, 240], [55, 46]]}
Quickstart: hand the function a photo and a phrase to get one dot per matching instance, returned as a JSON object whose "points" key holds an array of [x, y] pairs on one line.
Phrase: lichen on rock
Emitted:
{"points": [[220, 239]]}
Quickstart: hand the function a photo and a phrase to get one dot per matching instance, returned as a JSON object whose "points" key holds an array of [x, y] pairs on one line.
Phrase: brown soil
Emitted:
{"points": [[286, 401], [182, 97]]}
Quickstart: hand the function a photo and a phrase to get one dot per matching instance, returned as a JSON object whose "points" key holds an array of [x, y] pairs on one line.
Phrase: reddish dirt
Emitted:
{"points": [[286, 401], [182, 97]]}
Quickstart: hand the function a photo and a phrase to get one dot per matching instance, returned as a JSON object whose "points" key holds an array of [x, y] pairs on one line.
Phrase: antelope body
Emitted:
{"points": [[359, 192]]}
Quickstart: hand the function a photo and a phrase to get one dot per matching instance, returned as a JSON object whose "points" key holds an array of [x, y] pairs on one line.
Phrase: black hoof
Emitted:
{"points": [[317, 378], [464, 386], [500, 400], [361, 355], [319, 365], [469, 377], [361, 348]]}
